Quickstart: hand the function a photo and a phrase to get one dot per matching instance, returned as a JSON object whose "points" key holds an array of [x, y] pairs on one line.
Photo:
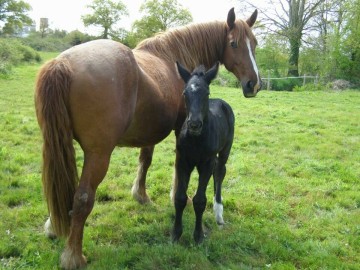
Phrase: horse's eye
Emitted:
{"points": [[233, 44]]}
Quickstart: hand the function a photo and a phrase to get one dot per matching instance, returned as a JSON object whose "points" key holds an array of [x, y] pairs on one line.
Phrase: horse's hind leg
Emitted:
{"points": [[94, 170], [139, 188], [219, 174]]}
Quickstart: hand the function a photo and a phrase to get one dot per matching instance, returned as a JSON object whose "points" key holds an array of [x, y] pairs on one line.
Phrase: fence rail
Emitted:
{"points": [[304, 77]]}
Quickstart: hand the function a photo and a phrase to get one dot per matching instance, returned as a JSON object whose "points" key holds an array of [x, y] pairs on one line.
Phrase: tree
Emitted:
{"points": [[291, 19], [44, 25], [159, 15], [106, 14], [13, 16]]}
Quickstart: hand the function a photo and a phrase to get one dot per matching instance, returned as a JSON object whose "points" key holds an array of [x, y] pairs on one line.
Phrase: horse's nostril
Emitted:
{"points": [[250, 84], [195, 124]]}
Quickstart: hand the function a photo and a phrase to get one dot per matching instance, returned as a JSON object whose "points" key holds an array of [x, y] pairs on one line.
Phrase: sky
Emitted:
{"points": [[66, 14]]}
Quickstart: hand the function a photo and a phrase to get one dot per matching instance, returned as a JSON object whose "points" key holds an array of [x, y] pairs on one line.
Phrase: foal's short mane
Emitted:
{"points": [[199, 71], [195, 44]]}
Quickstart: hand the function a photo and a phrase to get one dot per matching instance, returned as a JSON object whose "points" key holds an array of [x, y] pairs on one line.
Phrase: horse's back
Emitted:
{"points": [[103, 91]]}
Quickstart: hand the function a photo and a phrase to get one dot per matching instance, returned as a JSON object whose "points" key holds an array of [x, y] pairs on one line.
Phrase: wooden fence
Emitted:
{"points": [[304, 77]]}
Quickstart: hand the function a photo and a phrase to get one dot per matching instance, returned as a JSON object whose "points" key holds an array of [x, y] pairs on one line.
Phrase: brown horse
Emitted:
{"points": [[104, 95]]}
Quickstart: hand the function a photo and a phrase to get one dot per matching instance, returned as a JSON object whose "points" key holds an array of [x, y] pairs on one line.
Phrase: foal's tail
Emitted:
{"points": [[59, 176]]}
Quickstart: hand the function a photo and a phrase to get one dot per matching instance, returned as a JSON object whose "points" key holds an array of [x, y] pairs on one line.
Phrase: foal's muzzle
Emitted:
{"points": [[194, 127]]}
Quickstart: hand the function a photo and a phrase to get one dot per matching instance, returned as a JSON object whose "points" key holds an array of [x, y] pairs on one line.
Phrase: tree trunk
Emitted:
{"points": [[106, 33], [294, 56]]}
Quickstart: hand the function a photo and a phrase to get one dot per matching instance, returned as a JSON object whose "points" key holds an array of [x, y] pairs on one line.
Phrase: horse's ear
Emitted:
{"points": [[251, 21], [231, 19], [211, 73], [184, 74]]}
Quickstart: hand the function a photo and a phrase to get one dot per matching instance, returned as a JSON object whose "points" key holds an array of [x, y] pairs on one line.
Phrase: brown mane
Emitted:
{"points": [[193, 44]]}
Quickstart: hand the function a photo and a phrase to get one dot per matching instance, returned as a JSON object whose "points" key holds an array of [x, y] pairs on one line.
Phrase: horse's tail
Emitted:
{"points": [[59, 176]]}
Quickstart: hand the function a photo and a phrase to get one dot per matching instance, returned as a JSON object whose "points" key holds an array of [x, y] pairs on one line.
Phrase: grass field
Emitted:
{"points": [[291, 193]]}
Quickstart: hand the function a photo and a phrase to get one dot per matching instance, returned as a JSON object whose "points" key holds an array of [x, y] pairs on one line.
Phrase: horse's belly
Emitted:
{"points": [[149, 129]]}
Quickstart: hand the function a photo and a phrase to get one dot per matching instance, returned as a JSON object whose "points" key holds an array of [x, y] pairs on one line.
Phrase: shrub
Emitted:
{"points": [[285, 84], [310, 87], [226, 78], [13, 52], [340, 85]]}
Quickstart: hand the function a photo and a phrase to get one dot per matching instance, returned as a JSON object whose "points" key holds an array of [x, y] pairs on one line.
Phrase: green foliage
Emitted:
{"points": [[13, 14], [226, 78], [291, 192], [159, 16], [272, 56], [105, 13], [310, 87], [76, 37], [13, 52], [285, 84]]}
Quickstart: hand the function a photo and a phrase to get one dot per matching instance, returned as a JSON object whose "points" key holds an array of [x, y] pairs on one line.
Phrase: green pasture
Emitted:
{"points": [[291, 193]]}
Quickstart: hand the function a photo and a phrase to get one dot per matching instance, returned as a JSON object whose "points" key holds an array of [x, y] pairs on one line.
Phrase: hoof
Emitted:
{"points": [[70, 260], [142, 198], [175, 235], [199, 237], [49, 231], [218, 211]]}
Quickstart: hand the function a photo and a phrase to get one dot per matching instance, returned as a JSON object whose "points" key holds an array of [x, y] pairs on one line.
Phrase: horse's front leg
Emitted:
{"points": [[199, 201], [139, 187], [180, 197], [94, 170]]}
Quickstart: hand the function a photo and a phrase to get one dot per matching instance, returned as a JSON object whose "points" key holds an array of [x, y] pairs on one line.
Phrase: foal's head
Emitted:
{"points": [[196, 94], [239, 54]]}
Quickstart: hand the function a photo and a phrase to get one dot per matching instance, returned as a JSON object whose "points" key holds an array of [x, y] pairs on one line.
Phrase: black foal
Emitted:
{"points": [[204, 142]]}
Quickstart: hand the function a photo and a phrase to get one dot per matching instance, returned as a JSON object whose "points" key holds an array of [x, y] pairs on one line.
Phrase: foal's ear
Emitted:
{"points": [[211, 73], [251, 21], [231, 19], [184, 73]]}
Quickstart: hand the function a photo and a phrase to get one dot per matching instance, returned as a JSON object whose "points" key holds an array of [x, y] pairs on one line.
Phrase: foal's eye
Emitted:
{"points": [[233, 44]]}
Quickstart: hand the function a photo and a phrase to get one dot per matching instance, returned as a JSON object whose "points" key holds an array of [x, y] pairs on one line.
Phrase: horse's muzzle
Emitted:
{"points": [[194, 127], [251, 88]]}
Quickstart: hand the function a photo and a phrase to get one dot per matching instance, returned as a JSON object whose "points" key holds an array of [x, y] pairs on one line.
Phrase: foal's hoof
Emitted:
{"points": [[199, 237], [175, 235], [69, 260]]}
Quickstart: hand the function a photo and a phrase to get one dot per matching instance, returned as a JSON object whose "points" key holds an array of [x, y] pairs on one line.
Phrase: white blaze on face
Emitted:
{"points": [[257, 86], [194, 87]]}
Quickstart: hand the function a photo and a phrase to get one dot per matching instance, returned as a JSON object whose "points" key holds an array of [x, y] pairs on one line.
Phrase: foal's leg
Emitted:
{"points": [[139, 189], [180, 197], [175, 183], [199, 200], [219, 174], [94, 170]]}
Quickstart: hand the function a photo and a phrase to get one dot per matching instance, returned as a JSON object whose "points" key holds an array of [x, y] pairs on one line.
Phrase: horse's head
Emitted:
{"points": [[239, 54], [196, 95]]}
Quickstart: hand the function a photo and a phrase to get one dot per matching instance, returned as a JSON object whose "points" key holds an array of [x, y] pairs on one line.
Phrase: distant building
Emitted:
{"points": [[25, 31]]}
